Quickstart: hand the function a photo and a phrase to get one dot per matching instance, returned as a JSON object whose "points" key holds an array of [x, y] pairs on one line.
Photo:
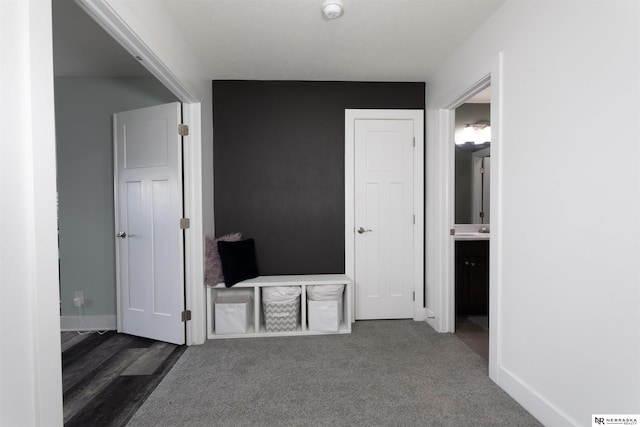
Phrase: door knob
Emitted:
{"points": [[121, 234], [362, 230]]}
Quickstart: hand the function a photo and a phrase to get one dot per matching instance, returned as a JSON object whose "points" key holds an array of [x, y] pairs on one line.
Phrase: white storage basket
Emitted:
{"points": [[324, 316], [233, 314], [321, 316]]}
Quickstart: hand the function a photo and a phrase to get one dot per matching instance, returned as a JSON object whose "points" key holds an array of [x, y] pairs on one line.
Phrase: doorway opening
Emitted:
{"points": [[86, 95], [85, 100], [471, 220]]}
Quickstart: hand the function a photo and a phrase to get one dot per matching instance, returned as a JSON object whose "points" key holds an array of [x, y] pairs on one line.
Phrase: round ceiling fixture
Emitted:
{"points": [[332, 9]]}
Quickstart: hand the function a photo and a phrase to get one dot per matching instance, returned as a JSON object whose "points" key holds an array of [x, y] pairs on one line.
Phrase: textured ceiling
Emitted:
{"points": [[375, 40]]}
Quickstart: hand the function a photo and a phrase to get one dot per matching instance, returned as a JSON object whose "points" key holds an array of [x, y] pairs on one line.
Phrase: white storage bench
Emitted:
{"points": [[252, 288]]}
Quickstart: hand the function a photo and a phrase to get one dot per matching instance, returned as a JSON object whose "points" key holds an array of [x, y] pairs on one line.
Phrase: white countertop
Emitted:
{"points": [[471, 232], [471, 236]]}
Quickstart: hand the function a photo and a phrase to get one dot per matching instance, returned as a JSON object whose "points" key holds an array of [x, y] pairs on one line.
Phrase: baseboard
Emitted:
{"points": [[547, 413], [431, 320], [88, 323]]}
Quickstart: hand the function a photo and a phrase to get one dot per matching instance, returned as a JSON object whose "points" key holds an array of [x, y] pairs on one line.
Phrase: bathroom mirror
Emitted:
{"points": [[472, 162]]}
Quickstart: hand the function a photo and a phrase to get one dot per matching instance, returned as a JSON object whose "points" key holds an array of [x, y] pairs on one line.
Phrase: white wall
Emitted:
{"points": [[30, 365], [565, 284]]}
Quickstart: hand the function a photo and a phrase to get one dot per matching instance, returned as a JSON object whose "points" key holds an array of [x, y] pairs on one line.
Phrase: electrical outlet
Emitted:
{"points": [[78, 299]]}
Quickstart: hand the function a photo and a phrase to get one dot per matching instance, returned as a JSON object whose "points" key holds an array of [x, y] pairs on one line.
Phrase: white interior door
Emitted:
{"points": [[148, 174], [481, 184], [486, 185], [384, 218]]}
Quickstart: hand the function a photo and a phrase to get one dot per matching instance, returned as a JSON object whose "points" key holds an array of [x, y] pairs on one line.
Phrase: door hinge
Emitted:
{"points": [[186, 315], [414, 220], [183, 130], [414, 295], [414, 141], [185, 223], [481, 214], [481, 170], [452, 231]]}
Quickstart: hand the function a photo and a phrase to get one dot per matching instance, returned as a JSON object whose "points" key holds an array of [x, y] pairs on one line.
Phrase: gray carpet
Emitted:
{"points": [[386, 373]]}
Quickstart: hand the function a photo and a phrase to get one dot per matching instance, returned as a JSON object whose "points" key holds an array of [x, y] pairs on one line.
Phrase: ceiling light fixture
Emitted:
{"points": [[476, 133], [332, 9]]}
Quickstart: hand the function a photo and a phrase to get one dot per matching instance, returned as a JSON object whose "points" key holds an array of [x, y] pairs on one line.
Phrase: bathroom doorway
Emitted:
{"points": [[472, 221]]}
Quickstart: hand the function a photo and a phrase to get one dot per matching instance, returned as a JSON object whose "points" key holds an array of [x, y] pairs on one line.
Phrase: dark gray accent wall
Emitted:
{"points": [[279, 165]]}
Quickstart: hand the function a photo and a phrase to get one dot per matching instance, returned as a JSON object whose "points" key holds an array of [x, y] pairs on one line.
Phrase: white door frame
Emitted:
{"points": [[31, 371], [419, 312], [442, 257], [110, 21], [447, 124]]}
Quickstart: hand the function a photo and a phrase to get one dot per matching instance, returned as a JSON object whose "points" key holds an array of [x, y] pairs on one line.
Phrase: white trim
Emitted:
{"points": [[495, 247], [116, 210], [419, 312], [31, 369], [545, 411], [114, 25], [88, 323], [110, 21], [194, 241], [445, 255], [479, 85]]}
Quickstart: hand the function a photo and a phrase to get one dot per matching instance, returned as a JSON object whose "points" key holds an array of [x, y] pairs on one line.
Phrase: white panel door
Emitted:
{"points": [[481, 185], [486, 186], [384, 219], [148, 174]]}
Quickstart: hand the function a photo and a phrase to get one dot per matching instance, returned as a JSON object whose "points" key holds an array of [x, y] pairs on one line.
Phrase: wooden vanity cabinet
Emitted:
{"points": [[472, 277]]}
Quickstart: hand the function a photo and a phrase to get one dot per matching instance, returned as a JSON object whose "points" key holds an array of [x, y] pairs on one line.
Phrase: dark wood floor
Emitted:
{"points": [[474, 333], [106, 378]]}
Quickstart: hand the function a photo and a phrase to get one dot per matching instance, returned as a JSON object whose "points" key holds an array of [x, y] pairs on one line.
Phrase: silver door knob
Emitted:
{"points": [[121, 234], [362, 230]]}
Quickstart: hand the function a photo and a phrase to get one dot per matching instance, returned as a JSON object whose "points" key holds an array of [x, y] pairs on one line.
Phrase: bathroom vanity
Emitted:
{"points": [[472, 273]]}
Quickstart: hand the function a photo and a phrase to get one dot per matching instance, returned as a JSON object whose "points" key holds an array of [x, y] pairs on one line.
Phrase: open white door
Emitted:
{"points": [[481, 186], [384, 219], [150, 247]]}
